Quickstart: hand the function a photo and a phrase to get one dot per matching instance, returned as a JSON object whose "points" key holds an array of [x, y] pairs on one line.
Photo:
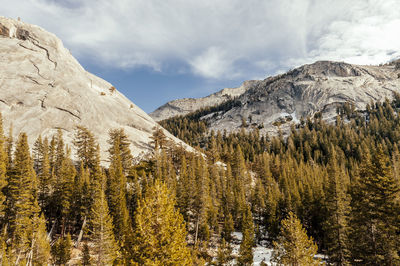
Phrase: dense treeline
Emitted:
{"points": [[340, 179], [190, 128], [51, 204], [327, 187]]}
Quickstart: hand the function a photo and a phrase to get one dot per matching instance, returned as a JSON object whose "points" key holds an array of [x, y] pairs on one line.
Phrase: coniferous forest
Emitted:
{"points": [[326, 188]]}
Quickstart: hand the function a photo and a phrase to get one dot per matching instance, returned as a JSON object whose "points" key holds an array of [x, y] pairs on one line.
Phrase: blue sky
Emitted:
{"points": [[150, 89], [154, 51]]}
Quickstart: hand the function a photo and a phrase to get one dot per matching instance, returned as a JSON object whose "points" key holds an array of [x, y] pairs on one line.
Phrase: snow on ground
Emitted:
{"points": [[260, 253]]}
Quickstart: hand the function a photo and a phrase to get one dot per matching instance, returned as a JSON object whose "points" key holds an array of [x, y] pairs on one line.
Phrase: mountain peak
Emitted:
{"points": [[44, 88]]}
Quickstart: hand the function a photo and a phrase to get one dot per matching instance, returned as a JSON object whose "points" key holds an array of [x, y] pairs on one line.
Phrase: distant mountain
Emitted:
{"points": [[277, 101], [188, 105], [44, 88]]}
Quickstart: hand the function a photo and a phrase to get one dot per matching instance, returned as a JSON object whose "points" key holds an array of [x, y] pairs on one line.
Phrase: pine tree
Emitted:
{"points": [[228, 228], [61, 250], [105, 247], [37, 151], [3, 171], [258, 200], [293, 246], [338, 212], [85, 145], [118, 135], [9, 148], [40, 242], [159, 236], [158, 138], [240, 184], [224, 253], [86, 259], [60, 152], [22, 203], [246, 247], [82, 200], [4, 255], [63, 196], [45, 181], [116, 193], [52, 153], [375, 206]]}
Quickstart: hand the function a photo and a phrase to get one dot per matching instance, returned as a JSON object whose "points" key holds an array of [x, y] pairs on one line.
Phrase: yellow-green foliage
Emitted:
{"points": [[293, 246], [160, 231]]}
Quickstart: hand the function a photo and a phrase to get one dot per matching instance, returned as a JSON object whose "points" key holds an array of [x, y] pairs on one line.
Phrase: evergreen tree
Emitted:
{"points": [[9, 149], [158, 138], [246, 247], [40, 253], [86, 259], [4, 256], [228, 228], [64, 192], [60, 152], [116, 191], [3, 171], [85, 145], [105, 247], [37, 152], [375, 217], [22, 203], [159, 236], [45, 181], [61, 250], [293, 246], [338, 210], [224, 253], [119, 136]]}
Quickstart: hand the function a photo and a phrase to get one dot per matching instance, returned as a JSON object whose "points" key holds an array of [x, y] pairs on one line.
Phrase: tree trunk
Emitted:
{"points": [[80, 233]]}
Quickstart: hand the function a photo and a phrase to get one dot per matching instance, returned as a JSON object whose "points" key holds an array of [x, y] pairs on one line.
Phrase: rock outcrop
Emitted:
{"points": [[274, 103], [43, 88]]}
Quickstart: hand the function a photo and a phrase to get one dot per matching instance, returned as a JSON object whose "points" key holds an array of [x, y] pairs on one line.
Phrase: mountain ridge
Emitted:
{"points": [[273, 103], [188, 105]]}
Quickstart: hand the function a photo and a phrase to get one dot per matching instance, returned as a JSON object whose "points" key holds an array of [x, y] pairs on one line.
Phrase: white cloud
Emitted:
{"points": [[214, 63], [222, 39]]}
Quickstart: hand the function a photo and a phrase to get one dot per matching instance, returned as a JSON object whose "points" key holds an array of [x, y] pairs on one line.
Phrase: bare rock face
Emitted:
{"points": [[188, 105], [44, 88], [276, 102]]}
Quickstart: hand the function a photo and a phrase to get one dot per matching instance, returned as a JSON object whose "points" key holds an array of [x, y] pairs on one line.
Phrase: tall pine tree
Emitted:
{"points": [[293, 246], [246, 247], [105, 248], [338, 213], [375, 215], [160, 233]]}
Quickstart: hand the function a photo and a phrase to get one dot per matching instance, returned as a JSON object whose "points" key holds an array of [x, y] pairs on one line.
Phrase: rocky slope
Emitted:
{"points": [[44, 88], [188, 105], [278, 101]]}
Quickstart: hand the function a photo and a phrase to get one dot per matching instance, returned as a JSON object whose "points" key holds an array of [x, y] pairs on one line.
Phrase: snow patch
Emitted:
{"points": [[260, 253]]}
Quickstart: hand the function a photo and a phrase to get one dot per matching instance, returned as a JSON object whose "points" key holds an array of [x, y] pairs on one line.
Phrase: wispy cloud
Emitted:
{"points": [[222, 39]]}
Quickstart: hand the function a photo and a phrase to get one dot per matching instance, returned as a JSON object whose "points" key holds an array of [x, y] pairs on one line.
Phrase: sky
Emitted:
{"points": [[155, 51]]}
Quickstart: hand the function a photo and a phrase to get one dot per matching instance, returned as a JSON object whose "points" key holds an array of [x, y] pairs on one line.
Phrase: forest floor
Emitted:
{"points": [[260, 253]]}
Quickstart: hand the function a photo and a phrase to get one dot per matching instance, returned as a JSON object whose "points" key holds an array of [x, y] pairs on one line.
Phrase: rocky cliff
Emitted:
{"points": [[278, 101], [43, 88]]}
